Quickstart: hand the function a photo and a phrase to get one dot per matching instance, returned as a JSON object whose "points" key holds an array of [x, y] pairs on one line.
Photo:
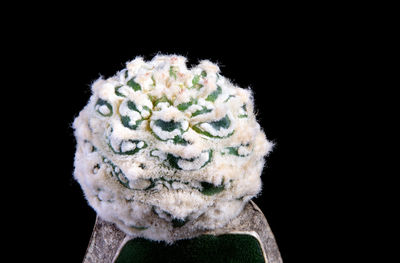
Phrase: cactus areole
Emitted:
{"points": [[164, 151]]}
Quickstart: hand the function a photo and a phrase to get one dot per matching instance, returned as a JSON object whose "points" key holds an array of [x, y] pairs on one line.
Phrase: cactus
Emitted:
{"points": [[175, 149]]}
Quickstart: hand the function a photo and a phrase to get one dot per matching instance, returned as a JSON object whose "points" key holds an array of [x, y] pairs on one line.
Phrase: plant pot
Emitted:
{"points": [[247, 238]]}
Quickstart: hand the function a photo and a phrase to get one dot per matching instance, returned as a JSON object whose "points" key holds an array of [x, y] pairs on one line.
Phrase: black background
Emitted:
{"points": [[298, 99], [322, 93]]}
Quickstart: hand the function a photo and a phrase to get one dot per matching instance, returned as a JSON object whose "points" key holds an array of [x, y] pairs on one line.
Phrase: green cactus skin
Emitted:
{"points": [[223, 123], [135, 86], [214, 95], [210, 189], [100, 103]]}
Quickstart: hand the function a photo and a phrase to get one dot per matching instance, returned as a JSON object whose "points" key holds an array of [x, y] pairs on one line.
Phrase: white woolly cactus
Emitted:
{"points": [[164, 151]]}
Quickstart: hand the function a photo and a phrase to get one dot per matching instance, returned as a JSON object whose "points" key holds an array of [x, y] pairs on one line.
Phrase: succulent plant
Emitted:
{"points": [[164, 151]]}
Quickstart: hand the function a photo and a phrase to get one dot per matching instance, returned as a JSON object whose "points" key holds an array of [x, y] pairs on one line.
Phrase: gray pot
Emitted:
{"points": [[247, 238]]}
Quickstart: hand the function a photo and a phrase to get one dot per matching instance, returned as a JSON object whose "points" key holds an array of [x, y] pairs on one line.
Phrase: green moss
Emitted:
{"points": [[232, 248]]}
